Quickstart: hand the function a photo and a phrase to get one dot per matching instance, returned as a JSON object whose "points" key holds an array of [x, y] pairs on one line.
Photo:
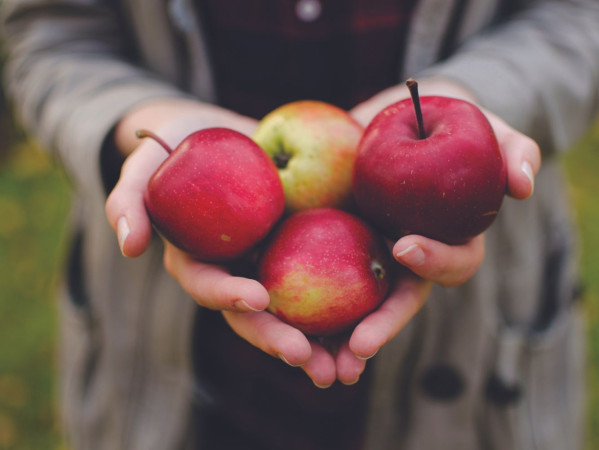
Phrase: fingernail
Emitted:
{"points": [[242, 305], [282, 358], [364, 358], [122, 231], [322, 386], [350, 383], [527, 169], [411, 256]]}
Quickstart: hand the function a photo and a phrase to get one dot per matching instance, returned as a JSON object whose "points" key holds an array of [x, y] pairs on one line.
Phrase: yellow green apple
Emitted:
{"points": [[313, 144]]}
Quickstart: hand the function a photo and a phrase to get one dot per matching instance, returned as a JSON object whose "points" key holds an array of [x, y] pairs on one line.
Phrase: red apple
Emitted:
{"points": [[216, 195], [324, 270], [314, 145], [437, 172]]}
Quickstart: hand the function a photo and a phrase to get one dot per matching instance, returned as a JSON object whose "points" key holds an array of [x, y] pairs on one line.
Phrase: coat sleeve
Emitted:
{"points": [[539, 70], [70, 74]]}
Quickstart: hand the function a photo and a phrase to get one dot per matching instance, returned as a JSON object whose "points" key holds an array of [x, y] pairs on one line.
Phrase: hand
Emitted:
{"points": [[347, 360], [211, 286], [172, 120], [433, 261], [523, 160]]}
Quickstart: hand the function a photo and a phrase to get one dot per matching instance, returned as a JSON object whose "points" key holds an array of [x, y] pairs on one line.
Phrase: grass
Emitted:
{"points": [[34, 201], [582, 164]]}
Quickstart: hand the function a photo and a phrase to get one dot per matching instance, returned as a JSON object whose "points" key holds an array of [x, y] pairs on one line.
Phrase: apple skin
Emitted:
{"points": [[324, 270], [448, 186], [314, 146], [216, 196]]}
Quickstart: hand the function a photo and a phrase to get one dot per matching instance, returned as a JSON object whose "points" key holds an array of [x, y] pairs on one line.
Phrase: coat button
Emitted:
{"points": [[308, 10], [502, 394], [442, 382]]}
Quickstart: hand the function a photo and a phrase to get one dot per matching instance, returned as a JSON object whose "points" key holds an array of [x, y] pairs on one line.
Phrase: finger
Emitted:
{"points": [[448, 265], [376, 329], [522, 156], [266, 332], [523, 163], [212, 286], [320, 367], [125, 208], [349, 366]]}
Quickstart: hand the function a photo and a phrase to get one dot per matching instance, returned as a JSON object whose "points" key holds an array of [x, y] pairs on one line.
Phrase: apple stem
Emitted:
{"points": [[413, 87], [148, 134], [281, 160]]}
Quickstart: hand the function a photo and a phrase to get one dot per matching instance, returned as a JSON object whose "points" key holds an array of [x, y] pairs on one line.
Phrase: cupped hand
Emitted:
{"points": [[210, 285], [453, 265], [443, 264], [172, 120], [429, 261], [432, 262], [341, 358]]}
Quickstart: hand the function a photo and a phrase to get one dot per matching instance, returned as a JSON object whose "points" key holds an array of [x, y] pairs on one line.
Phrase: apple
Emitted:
{"points": [[313, 145], [430, 166], [324, 270], [216, 195]]}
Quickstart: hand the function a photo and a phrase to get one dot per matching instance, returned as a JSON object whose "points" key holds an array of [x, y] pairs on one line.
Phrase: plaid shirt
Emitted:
{"points": [[270, 52], [267, 53]]}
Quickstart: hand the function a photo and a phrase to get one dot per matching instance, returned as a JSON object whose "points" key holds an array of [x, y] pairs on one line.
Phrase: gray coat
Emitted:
{"points": [[511, 336]]}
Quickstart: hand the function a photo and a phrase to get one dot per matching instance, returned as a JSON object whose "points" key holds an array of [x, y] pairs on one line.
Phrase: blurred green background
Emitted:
{"points": [[34, 203]]}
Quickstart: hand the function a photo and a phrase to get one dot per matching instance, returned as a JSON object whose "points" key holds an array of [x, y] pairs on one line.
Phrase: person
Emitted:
{"points": [[480, 348]]}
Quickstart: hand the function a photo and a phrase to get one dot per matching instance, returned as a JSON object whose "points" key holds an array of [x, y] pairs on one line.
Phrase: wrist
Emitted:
{"points": [[149, 115], [446, 87], [174, 119], [366, 111]]}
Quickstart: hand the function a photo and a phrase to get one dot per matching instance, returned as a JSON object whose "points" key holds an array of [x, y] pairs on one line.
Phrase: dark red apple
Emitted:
{"points": [[437, 172], [324, 270], [216, 195]]}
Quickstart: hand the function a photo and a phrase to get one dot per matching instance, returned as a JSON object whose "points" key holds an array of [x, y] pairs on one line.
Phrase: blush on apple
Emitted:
{"points": [[313, 144], [324, 270], [216, 195], [430, 166]]}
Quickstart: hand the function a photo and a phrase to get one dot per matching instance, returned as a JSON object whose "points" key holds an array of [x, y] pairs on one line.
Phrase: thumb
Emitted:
{"points": [[125, 208], [522, 156]]}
